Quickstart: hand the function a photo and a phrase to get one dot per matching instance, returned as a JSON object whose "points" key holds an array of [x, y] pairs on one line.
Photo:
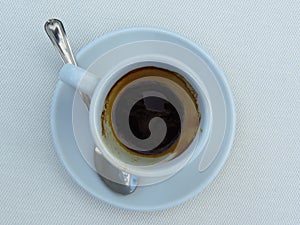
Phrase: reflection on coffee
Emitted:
{"points": [[150, 112]]}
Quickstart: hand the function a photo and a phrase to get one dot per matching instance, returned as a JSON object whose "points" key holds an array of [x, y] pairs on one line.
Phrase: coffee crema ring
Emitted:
{"points": [[151, 112]]}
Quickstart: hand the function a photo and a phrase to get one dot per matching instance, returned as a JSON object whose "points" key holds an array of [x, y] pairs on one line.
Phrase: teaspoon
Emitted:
{"points": [[120, 182]]}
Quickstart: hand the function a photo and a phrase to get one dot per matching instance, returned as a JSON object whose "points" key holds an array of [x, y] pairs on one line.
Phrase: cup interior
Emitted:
{"points": [[142, 166]]}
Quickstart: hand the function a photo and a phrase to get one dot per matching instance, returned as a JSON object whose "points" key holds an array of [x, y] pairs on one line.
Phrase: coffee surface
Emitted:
{"points": [[144, 111], [150, 112]]}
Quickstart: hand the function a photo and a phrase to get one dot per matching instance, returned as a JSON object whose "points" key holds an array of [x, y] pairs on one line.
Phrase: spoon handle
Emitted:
{"points": [[56, 32]]}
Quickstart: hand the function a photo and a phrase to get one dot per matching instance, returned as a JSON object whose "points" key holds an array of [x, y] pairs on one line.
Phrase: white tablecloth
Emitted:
{"points": [[257, 44]]}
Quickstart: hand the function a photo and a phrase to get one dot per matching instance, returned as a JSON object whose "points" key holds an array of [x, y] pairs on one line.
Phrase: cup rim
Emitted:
{"points": [[158, 170]]}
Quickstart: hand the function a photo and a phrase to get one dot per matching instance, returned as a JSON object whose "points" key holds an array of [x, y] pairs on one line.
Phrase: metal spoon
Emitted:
{"points": [[122, 182]]}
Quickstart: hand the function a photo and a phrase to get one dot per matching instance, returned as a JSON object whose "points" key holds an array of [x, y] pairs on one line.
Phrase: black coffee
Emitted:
{"points": [[150, 112], [144, 111]]}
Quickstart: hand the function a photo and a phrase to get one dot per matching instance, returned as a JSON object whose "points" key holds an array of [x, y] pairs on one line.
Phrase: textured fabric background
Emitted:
{"points": [[256, 43]]}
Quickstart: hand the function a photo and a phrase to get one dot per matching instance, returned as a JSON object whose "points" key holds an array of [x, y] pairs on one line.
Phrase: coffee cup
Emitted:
{"points": [[128, 91]]}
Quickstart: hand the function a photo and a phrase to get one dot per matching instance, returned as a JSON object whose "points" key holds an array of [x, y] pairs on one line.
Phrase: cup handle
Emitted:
{"points": [[79, 78]]}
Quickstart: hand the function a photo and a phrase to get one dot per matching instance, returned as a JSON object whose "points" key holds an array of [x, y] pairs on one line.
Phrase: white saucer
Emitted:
{"points": [[189, 181]]}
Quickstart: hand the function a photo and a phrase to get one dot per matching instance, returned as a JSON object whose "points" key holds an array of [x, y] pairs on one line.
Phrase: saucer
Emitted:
{"points": [[69, 119]]}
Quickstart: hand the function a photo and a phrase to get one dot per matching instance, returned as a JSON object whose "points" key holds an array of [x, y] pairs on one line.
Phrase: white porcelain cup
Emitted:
{"points": [[97, 86]]}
